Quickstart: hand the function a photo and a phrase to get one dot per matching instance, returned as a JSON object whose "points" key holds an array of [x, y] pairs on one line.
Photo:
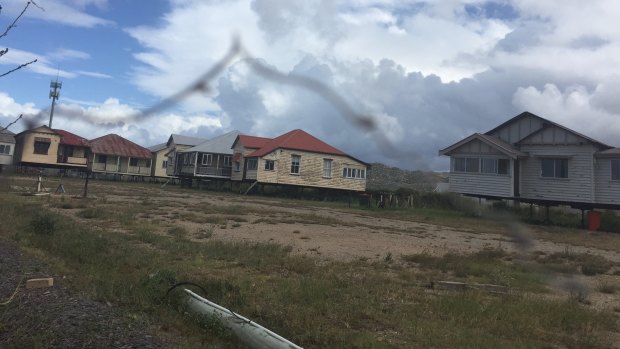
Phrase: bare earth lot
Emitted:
{"points": [[334, 232]]}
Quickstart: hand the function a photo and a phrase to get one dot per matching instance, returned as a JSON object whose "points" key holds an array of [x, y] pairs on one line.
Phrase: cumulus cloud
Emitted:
{"points": [[429, 73], [594, 112]]}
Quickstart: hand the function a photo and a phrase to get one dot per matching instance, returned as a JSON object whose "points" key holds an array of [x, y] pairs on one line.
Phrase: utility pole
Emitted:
{"points": [[55, 87]]}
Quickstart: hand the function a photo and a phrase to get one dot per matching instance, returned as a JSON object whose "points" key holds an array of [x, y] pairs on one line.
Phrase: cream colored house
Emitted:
{"points": [[113, 154], [7, 147], [46, 147], [175, 144], [159, 160], [299, 159]]}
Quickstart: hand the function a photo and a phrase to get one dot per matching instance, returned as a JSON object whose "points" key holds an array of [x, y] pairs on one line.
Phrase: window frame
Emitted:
{"points": [[465, 161], [295, 164], [209, 159], [327, 168], [136, 161], [252, 164], [38, 145], [562, 168], [228, 160], [5, 149], [353, 173], [614, 163], [164, 164], [270, 165]]}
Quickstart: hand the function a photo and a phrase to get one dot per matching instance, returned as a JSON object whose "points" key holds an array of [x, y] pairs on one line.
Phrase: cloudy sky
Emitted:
{"points": [[427, 72]]}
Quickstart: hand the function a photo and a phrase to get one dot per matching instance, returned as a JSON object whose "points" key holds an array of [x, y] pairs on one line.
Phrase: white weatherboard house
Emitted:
{"points": [[534, 160]]}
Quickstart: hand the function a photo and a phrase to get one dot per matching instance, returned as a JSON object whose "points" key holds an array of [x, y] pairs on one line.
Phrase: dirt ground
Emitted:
{"points": [[328, 232]]}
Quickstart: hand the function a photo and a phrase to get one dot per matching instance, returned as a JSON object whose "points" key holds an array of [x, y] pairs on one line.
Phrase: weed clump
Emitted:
{"points": [[178, 232], [43, 223]]}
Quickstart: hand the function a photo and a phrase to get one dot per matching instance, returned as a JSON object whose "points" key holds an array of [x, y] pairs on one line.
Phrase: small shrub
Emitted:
{"points": [[388, 258], [43, 223], [178, 232]]}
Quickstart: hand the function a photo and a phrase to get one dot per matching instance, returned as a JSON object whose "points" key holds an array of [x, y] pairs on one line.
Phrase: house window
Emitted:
{"points": [[615, 170], [227, 160], [207, 159], [358, 173], [295, 161], [502, 166], [148, 163], [5, 149], [467, 165], [495, 166], [327, 168], [164, 164], [237, 166], [102, 159], [252, 164], [554, 168], [269, 165], [41, 147], [133, 162]]}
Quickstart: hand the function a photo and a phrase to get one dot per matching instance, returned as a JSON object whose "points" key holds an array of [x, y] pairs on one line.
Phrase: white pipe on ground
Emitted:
{"points": [[249, 332]]}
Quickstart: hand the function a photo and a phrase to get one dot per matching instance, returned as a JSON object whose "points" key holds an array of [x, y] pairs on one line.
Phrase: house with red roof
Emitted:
{"points": [[46, 147], [113, 154], [296, 158]]}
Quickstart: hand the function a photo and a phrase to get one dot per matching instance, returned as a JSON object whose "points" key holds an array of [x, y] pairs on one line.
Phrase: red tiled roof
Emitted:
{"points": [[252, 141], [113, 144], [69, 138], [296, 140]]}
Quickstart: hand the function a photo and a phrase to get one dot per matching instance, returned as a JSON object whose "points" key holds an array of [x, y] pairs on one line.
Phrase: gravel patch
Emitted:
{"points": [[56, 317]]}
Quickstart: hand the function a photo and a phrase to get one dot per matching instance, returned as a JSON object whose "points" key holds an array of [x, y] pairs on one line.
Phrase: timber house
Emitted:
{"points": [[296, 158], [534, 160]]}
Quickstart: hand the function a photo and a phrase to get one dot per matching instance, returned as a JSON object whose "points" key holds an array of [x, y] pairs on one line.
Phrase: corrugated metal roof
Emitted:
{"points": [[218, 145], [157, 147], [488, 139], [7, 136], [612, 153], [296, 140], [114, 144], [253, 142], [185, 140], [69, 138], [549, 122]]}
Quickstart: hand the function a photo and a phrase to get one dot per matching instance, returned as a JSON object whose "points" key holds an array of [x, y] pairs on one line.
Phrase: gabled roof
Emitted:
{"points": [[297, 140], [157, 147], [218, 145], [251, 142], [492, 141], [546, 123], [7, 136], [114, 144], [39, 129], [185, 140], [609, 153], [69, 138]]}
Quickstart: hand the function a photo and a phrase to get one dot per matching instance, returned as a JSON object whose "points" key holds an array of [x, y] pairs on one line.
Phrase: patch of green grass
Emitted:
{"points": [[490, 265], [178, 232], [588, 263]]}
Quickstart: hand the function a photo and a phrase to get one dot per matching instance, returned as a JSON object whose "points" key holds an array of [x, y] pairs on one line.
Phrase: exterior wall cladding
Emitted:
{"points": [[525, 141]]}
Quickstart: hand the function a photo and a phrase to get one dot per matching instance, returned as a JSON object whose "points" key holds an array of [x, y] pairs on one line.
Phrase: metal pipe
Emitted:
{"points": [[249, 332]]}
